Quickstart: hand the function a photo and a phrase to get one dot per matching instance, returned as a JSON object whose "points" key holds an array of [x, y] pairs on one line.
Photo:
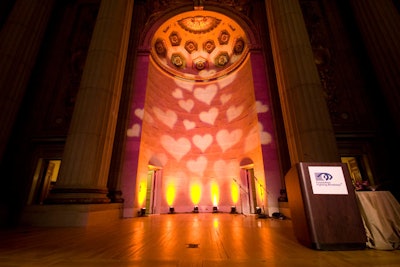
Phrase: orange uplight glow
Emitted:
{"points": [[235, 192], [195, 193], [142, 193], [261, 192], [215, 223], [215, 194], [171, 193]]}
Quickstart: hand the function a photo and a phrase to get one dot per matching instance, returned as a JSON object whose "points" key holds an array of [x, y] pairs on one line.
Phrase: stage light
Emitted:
{"points": [[142, 212], [260, 215], [196, 209], [215, 209], [233, 210], [258, 210], [171, 210]]}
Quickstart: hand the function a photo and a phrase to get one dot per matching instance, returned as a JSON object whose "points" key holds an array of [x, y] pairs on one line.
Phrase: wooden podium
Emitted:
{"points": [[323, 207]]}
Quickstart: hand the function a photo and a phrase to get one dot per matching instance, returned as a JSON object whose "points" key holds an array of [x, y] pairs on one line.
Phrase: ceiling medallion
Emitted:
{"points": [[160, 48], [199, 24], [175, 39], [222, 59], [223, 37], [239, 46], [209, 46], [191, 46], [178, 61], [200, 63]]}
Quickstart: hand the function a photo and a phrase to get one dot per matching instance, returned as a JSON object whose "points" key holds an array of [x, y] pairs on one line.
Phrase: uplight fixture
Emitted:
{"points": [[233, 210], [171, 210], [142, 212]]}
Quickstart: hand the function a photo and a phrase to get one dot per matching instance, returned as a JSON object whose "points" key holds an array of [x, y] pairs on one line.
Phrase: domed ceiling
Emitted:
{"points": [[199, 45]]}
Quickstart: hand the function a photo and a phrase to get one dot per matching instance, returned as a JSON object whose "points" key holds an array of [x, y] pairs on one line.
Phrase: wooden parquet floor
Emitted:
{"points": [[204, 239]]}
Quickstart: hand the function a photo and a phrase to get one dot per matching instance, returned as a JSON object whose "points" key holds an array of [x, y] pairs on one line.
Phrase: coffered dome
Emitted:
{"points": [[199, 45]]}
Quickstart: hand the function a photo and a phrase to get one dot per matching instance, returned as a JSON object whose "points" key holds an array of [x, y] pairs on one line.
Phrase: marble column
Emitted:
{"points": [[20, 40], [379, 23], [306, 117], [86, 160]]}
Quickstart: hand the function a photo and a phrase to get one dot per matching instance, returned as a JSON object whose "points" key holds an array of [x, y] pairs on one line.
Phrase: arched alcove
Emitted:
{"points": [[201, 113]]}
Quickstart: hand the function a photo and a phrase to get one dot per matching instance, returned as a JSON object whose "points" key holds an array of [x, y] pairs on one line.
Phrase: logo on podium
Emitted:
{"points": [[327, 180]]}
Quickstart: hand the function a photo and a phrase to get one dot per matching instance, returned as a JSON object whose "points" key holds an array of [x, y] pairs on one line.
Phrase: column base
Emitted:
{"points": [[71, 215], [285, 209], [115, 196], [61, 196]]}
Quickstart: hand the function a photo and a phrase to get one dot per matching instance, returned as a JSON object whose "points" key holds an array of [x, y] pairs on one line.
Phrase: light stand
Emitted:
{"points": [[260, 214], [240, 196]]}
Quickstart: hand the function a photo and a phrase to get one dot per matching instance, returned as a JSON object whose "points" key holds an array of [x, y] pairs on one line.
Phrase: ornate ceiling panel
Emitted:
{"points": [[199, 45]]}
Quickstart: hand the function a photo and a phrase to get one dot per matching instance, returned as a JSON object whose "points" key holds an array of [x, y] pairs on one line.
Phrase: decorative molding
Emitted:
{"points": [[199, 24]]}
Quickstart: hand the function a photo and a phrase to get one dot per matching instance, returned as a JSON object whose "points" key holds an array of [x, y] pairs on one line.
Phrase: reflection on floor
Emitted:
{"points": [[203, 239]]}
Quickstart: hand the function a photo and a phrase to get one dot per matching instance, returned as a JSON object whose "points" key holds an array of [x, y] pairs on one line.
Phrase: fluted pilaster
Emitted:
{"points": [[20, 39], [306, 116], [86, 160]]}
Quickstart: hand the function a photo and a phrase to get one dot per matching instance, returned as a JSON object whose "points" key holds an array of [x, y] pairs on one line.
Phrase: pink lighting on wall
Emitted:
{"points": [[197, 128], [198, 133], [195, 131]]}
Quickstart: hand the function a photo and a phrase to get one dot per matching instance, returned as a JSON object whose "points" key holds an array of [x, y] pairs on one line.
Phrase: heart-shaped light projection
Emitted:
{"points": [[197, 166], [224, 98], [209, 116], [177, 93], [233, 112], [134, 131], [202, 142], [207, 94], [168, 117], [226, 139], [189, 124], [139, 112], [261, 108], [186, 104], [176, 148], [265, 137]]}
